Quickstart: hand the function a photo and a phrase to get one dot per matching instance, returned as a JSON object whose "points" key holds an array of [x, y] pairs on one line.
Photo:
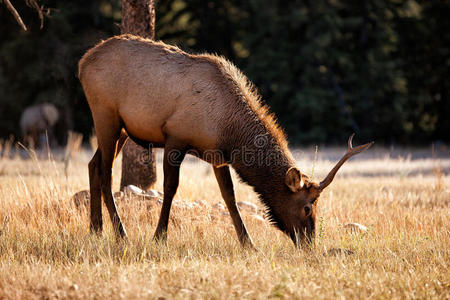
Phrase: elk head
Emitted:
{"points": [[299, 209]]}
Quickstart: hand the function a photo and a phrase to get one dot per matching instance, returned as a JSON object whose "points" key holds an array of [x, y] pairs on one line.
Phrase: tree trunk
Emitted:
{"points": [[138, 164], [138, 18]]}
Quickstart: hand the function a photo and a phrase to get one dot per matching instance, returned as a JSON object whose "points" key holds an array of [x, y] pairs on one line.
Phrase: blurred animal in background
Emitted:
{"points": [[37, 122]]}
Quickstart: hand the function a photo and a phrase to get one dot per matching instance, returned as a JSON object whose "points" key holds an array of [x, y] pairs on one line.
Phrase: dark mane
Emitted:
{"points": [[246, 91], [269, 212]]}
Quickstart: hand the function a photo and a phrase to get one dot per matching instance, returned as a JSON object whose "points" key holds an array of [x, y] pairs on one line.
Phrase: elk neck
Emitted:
{"points": [[260, 160]]}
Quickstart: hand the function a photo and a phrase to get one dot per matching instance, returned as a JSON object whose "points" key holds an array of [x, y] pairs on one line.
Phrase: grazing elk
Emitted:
{"points": [[37, 120], [199, 104]]}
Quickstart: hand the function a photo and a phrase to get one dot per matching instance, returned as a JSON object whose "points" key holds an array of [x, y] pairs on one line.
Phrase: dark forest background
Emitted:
{"points": [[327, 68]]}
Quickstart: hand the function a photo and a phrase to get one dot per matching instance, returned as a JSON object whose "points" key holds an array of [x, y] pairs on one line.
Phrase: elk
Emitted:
{"points": [[37, 120], [160, 96]]}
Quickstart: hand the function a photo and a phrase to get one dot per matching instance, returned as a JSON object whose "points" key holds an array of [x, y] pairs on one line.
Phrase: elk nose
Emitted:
{"points": [[308, 209]]}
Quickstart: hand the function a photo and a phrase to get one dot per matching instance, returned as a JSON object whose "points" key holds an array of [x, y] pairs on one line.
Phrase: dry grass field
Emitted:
{"points": [[46, 250]]}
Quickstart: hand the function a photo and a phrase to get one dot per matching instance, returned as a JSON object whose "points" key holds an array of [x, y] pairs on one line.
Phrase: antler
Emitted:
{"points": [[350, 152]]}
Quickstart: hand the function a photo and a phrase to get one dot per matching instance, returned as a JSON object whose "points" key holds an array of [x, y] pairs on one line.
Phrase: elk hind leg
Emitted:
{"points": [[108, 133], [96, 224]]}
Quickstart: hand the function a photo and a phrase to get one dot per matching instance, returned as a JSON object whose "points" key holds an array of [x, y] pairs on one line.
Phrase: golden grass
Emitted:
{"points": [[46, 250]]}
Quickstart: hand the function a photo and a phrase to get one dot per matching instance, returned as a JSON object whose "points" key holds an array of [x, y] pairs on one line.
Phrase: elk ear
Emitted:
{"points": [[294, 179]]}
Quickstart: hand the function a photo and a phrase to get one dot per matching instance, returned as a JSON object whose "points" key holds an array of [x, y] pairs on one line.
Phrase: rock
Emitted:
{"points": [[81, 198], [132, 189], [201, 202], [183, 204], [153, 193], [218, 206], [356, 227], [248, 206], [194, 204], [339, 251], [132, 192]]}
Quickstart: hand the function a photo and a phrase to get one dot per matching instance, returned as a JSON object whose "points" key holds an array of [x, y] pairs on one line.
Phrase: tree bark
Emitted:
{"points": [[138, 164], [138, 18]]}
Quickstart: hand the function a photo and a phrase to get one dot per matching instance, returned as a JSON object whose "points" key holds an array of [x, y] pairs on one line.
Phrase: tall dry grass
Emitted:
{"points": [[46, 250]]}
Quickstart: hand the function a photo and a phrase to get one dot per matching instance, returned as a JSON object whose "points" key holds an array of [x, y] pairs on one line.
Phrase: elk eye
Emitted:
{"points": [[307, 210]]}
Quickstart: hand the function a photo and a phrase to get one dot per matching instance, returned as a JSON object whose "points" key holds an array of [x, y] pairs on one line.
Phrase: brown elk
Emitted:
{"points": [[200, 104]]}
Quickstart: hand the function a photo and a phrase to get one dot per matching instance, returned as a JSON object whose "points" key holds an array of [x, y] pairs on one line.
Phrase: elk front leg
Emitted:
{"points": [[173, 157], [223, 177]]}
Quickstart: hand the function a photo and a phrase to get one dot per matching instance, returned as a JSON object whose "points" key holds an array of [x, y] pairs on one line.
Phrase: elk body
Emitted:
{"points": [[198, 104]]}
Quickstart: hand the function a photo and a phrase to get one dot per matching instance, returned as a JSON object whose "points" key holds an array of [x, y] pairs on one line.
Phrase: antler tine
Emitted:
{"points": [[353, 151], [350, 152], [349, 142]]}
